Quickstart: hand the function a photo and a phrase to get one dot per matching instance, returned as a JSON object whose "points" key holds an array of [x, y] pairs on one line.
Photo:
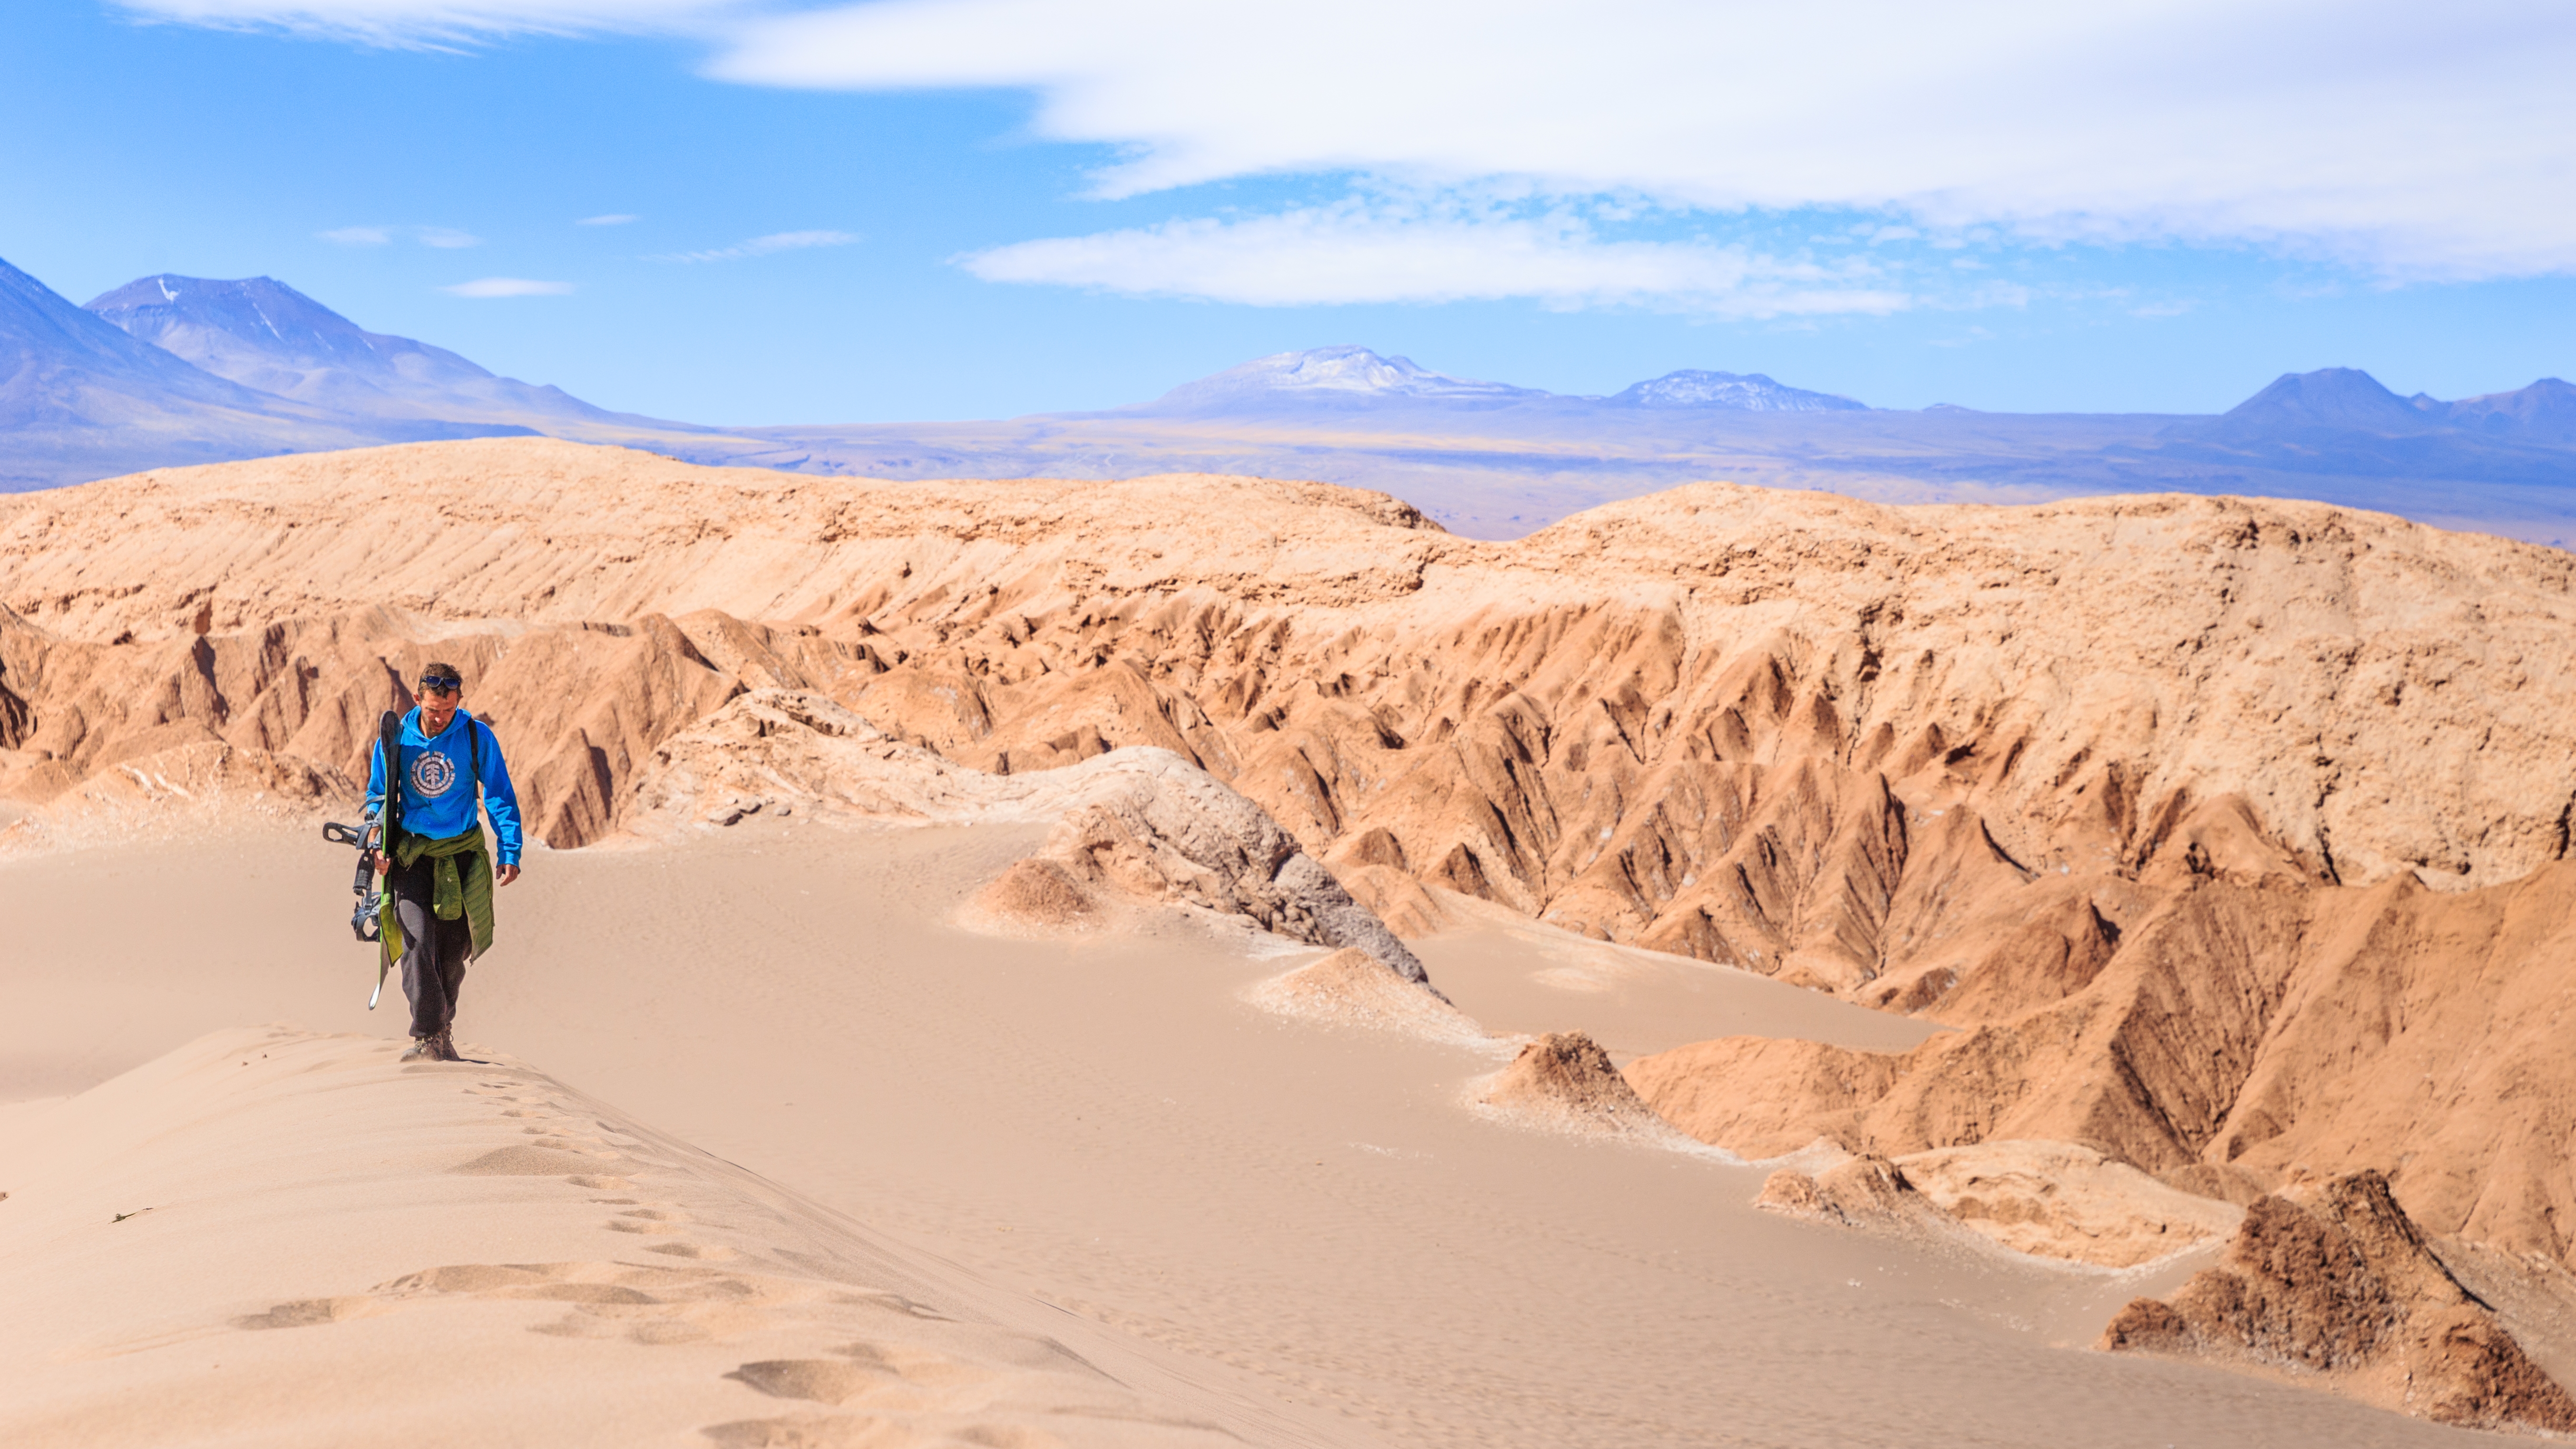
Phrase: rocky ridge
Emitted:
{"points": [[2336, 1280]]}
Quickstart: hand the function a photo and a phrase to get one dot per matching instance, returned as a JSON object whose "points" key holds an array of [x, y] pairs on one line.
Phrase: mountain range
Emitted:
{"points": [[1354, 379], [264, 334], [81, 398], [169, 370]]}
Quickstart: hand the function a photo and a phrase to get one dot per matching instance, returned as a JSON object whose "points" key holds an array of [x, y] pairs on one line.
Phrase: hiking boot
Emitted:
{"points": [[443, 1047], [423, 1049]]}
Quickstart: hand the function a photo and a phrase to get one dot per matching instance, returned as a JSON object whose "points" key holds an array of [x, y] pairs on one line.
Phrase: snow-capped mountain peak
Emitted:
{"points": [[1747, 391], [1328, 375]]}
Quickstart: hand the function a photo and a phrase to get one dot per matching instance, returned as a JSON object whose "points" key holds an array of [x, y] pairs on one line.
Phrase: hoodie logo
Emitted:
{"points": [[431, 774]]}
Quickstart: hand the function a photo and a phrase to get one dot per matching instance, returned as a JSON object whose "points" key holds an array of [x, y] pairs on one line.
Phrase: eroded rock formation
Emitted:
{"points": [[1868, 1193], [2238, 1032], [1138, 823], [1563, 1081], [2337, 1280], [2221, 828]]}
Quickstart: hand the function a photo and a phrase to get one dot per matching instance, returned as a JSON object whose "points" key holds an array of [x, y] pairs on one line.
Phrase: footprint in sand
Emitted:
{"points": [[822, 1380], [649, 1306], [845, 1431], [833, 1433], [306, 1312], [532, 1160]]}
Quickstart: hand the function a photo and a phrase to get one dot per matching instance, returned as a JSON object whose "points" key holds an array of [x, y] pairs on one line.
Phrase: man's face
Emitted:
{"points": [[440, 695]]}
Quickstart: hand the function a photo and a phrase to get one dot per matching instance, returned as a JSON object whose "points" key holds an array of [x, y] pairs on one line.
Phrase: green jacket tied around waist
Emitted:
{"points": [[461, 885]]}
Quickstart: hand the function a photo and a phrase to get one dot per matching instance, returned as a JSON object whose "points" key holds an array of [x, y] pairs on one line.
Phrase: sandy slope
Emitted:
{"points": [[1282, 1221], [273, 1237]]}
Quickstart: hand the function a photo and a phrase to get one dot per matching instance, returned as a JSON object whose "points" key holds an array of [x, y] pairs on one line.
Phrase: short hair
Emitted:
{"points": [[441, 669]]}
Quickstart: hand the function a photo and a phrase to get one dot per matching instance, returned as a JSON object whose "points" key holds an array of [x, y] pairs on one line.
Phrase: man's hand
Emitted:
{"points": [[508, 873], [382, 864]]}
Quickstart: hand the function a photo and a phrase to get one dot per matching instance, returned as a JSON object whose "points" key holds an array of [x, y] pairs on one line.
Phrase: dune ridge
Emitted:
{"points": [[309, 1227]]}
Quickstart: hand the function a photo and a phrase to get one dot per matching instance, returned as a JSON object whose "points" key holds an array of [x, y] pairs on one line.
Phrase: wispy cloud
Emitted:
{"points": [[2313, 127], [507, 287], [440, 23], [2324, 129], [614, 218], [1359, 252], [446, 238], [761, 246]]}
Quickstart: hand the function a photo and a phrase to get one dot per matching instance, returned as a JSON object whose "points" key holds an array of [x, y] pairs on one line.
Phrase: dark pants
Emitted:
{"points": [[434, 951]]}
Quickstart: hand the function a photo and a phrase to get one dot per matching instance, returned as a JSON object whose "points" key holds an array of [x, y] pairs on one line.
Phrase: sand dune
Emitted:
{"points": [[277, 1237]]}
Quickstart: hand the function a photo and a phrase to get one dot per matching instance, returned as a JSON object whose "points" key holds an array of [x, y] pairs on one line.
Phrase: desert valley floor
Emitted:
{"points": [[1296, 1233]]}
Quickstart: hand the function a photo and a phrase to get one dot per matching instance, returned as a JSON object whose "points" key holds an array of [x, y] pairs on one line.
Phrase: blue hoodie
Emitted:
{"points": [[439, 776]]}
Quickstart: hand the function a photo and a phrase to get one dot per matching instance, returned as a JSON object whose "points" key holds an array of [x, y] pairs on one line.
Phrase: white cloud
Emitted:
{"points": [[615, 218], [443, 22], [1358, 252], [2351, 129], [443, 237], [507, 287], [761, 246], [2356, 131]]}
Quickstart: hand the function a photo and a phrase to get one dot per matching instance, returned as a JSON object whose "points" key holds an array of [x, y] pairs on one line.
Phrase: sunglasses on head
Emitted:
{"points": [[432, 684]]}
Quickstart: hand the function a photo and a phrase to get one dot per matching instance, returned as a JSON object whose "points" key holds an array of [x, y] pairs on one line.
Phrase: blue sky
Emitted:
{"points": [[978, 208]]}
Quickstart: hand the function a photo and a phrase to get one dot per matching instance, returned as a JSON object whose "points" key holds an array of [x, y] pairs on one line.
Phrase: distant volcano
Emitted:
{"points": [[263, 333], [1328, 377], [81, 399], [1750, 391], [2331, 397], [1352, 377]]}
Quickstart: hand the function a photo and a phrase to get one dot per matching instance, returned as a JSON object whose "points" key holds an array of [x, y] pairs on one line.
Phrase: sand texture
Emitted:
{"points": [[2200, 846], [1299, 1232], [274, 1237]]}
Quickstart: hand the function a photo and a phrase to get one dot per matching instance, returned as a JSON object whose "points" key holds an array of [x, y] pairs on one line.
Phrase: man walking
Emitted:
{"points": [[437, 910]]}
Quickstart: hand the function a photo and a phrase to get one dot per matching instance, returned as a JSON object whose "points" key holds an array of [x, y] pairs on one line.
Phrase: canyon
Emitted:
{"points": [[2224, 841]]}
